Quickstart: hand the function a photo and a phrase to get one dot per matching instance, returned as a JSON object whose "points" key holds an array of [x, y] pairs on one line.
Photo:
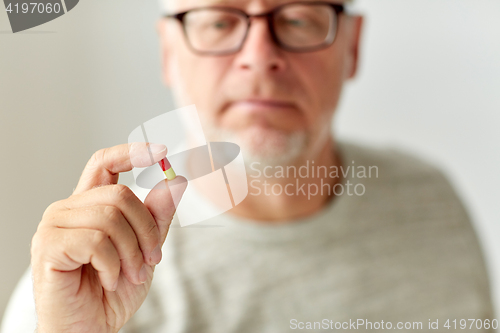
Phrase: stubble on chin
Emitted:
{"points": [[262, 146]]}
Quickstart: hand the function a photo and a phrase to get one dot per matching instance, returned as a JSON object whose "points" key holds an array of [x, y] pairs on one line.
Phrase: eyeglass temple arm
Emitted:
{"points": [[177, 16]]}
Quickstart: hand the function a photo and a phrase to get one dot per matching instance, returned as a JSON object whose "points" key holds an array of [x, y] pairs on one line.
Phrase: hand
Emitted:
{"points": [[94, 253]]}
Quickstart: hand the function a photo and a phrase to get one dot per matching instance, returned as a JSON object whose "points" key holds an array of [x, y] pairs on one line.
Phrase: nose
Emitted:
{"points": [[259, 52]]}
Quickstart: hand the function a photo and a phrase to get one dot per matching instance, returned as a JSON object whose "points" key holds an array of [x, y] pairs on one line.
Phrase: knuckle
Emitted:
{"points": [[51, 209], [122, 192], [152, 232], [99, 239], [112, 214], [136, 256], [132, 254], [98, 156], [39, 243], [36, 244]]}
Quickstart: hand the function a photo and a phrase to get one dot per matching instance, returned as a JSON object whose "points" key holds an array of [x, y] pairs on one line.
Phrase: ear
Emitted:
{"points": [[356, 25], [165, 50]]}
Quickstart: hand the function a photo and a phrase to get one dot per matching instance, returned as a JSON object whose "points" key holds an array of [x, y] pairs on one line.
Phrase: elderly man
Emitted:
{"points": [[373, 240]]}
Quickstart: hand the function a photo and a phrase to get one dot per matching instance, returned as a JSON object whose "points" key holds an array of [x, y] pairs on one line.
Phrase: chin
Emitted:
{"points": [[263, 145]]}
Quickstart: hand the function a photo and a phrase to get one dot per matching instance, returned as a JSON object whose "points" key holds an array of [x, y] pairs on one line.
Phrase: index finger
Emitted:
{"points": [[106, 164]]}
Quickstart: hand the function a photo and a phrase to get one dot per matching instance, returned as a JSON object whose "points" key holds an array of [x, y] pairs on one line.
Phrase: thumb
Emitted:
{"points": [[163, 200]]}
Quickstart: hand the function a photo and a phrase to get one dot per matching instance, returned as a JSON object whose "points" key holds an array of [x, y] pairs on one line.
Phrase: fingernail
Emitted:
{"points": [[157, 148], [143, 274], [156, 255]]}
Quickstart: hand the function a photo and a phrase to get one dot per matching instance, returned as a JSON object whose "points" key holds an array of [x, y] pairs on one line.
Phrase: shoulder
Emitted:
{"points": [[394, 161], [413, 208], [408, 189], [399, 173]]}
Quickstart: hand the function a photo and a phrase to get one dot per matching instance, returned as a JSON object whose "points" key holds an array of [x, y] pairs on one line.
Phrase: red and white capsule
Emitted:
{"points": [[167, 169]]}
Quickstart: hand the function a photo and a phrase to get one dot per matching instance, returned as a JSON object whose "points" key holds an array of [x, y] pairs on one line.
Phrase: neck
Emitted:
{"points": [[283, 193]]}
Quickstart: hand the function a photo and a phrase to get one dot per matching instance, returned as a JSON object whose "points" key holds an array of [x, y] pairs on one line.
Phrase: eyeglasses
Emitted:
{"points": [[295, 27]]}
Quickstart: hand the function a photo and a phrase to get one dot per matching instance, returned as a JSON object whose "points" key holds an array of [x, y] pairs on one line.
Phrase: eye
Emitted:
{"points": [[223, 22], [220, 24], [296, 22]]}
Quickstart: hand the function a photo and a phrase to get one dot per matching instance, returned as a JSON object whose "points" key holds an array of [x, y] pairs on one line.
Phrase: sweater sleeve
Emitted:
{"points": [[20, 315]]}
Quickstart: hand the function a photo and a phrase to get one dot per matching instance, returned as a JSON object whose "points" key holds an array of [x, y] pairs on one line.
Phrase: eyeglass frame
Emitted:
{"points": [[338, 9]]}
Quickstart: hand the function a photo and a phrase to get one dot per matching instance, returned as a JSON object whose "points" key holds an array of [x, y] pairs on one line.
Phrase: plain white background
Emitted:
{"points": [[428, 84]]}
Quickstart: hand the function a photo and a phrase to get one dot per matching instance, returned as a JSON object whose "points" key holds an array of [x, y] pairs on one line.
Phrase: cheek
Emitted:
{"points": [[329, 72], [202, 77], [322, 74]]}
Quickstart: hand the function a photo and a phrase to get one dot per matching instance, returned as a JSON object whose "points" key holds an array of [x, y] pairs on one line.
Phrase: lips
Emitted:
{"points": [[262, 105], [282, 114]]}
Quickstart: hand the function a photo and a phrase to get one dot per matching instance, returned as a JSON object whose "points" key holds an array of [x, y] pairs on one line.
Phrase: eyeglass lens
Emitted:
{"points": [[297, 26]]}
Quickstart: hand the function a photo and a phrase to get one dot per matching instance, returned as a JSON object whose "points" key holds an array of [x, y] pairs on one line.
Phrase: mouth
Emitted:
{"points": [[263, 105], [263, 112]]}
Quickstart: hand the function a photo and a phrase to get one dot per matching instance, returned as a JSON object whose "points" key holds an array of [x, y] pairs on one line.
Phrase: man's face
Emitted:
{"points": [[276, 104]]}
